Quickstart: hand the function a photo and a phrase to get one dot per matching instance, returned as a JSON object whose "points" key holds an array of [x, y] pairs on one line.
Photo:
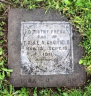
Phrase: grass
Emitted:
{"points": [[78, 12]]}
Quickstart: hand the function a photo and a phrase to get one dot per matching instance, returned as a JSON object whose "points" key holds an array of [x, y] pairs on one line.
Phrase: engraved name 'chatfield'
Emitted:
{"points": [[46, 48]]}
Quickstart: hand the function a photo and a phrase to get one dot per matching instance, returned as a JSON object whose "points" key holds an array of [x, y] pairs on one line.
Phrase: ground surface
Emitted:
{"points": [[78, 12]]}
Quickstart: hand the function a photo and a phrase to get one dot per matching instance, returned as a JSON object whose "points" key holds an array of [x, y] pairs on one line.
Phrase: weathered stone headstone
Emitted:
{"points": [[43, 50]]}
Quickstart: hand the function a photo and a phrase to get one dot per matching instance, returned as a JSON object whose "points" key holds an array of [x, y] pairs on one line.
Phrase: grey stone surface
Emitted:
{"points": [[31, 67], [46, 48]]}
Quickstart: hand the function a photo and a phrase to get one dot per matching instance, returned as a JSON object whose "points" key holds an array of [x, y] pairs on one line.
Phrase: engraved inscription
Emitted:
{"points": [[46, 48], [71, 80], [31, 81], [47, 80]]}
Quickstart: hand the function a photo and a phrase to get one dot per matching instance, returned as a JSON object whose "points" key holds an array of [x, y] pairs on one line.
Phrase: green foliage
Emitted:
{"points": [[5, 90], [75, 92], [29, 4], [50, 92], [1, 51], [88, 91], [22, 92], [35, 92]]}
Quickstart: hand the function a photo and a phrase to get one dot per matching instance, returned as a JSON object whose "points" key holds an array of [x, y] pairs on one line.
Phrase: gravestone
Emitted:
{"points": [[43, 50]]}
